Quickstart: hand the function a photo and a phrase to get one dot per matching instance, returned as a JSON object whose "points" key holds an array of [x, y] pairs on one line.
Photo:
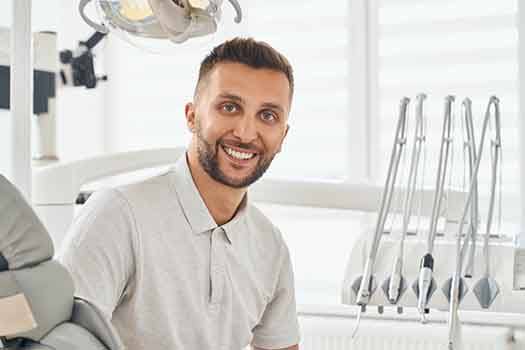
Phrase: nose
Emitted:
{"points": [[245, 129]]}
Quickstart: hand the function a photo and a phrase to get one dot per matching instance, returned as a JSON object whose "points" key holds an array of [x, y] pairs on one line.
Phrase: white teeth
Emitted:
{"points": [[238, 155]]}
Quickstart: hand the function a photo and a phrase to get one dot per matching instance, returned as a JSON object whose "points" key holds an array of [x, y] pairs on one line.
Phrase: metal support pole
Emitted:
{"points": [[521, 116]]}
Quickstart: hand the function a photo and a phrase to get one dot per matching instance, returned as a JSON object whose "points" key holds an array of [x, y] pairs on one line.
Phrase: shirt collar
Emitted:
{"points": [[232, 227], [193, 205]]}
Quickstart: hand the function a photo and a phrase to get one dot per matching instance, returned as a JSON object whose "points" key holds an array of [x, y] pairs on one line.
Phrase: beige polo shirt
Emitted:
{"points": [[151, 257]]}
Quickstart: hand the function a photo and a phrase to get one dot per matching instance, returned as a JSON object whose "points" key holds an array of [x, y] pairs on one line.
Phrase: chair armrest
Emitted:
{"points": [[88, 316]]}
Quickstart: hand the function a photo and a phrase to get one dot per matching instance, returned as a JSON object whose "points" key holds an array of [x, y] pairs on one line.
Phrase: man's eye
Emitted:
{"points": [[229, 108], [268, 116]]}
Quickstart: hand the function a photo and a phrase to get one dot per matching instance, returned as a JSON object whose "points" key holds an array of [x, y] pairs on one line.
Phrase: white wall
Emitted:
{"points": [[80, 112]]}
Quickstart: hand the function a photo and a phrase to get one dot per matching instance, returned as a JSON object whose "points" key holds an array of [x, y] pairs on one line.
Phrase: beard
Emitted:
{"points": [[208, 158]]}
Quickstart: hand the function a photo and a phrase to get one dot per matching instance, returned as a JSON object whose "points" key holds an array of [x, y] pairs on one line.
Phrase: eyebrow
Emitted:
{"points": [[240, 100], [231, 97], [273, 106]]}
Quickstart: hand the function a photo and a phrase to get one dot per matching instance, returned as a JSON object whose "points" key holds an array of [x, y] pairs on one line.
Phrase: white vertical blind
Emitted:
{"points": [[458, 47], [315, 39]]}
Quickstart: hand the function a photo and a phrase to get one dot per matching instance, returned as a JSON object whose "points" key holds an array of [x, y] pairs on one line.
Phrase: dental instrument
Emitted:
{"points": [[426, 285], [486, 293], [474, 219], [455, 287], [396, 284], [366, 283], [461, 246], [486, 289]]}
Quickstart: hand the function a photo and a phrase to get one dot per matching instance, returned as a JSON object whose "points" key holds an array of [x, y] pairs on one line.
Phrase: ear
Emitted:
{"points": [[189, 111]]}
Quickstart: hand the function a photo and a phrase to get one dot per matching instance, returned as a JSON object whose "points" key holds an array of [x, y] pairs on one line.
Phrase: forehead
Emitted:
{"points": [[259, 84]]}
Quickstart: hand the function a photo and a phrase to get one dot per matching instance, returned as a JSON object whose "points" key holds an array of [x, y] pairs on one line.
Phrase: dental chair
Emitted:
{"points": [[37, 307]]}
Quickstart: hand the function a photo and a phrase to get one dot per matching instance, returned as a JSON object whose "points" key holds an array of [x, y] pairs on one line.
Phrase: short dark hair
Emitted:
{"points": [[255, 54]]}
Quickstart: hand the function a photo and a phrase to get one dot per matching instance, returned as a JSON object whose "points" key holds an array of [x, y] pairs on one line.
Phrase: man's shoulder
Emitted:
{"points": [[147, 190], [263, 226], [130, 197], [257, 215]]}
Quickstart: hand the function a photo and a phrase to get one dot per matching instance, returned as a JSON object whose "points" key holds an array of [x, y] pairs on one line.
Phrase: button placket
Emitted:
{"points": [[216, 266]]}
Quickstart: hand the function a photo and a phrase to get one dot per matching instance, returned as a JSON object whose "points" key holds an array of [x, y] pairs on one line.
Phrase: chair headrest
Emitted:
{"points": [[29, 278], [24, 241]]}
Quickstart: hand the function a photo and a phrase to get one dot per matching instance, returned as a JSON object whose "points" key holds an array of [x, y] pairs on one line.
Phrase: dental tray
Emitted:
{"points": [[507, 267]]}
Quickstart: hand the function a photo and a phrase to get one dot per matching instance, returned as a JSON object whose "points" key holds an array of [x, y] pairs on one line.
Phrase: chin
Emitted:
{"points": [[236, 182]]}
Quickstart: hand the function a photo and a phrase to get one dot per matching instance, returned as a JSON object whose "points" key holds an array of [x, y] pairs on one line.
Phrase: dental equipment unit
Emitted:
{"points": [[440, 281]]}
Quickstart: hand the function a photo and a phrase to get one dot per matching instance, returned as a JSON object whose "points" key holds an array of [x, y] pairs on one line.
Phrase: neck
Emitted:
{"points": [[222, 201]]}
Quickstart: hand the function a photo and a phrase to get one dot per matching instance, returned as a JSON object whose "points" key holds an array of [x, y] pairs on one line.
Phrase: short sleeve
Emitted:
{"points": [[98, 250], [279, 327]]}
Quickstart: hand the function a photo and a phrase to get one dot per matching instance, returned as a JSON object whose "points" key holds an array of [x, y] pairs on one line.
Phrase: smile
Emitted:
{"points": [[237, 154]]}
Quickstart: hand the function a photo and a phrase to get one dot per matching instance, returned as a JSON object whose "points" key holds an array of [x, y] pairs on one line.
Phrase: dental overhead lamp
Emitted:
{"points": [[175, 20], [141, 23]]}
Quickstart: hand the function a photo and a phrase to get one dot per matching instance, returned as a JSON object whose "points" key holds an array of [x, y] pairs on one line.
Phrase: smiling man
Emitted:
{"points": [[184, 260]]}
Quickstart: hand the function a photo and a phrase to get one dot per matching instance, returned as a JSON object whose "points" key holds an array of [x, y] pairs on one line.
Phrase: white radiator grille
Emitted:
{"points": [[334, 333]]}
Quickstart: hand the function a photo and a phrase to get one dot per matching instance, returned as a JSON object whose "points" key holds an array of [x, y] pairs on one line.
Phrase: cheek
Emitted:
{"points": [[207, 127], [273, 141], [214, 125]]}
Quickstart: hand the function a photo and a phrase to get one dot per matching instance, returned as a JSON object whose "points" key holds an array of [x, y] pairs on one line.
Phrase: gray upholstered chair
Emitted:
{"points": [[37, 307]]}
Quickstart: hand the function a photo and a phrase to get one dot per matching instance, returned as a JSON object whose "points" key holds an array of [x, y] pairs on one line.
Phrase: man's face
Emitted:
{"points": [[239, 122]]}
